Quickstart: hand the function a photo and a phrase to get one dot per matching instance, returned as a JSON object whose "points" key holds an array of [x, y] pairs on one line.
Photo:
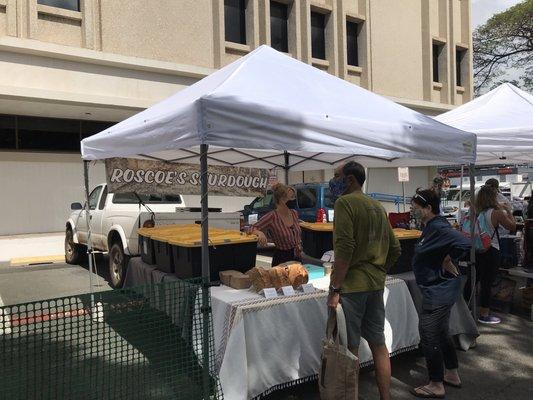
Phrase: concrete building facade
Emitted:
{"points": [[68, 68]]}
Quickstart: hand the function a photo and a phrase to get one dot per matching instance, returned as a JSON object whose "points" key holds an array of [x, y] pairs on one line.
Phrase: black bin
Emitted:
{"points": [[146, 249], [187, 258], [163, 255], [317, 241], [405, 262]]}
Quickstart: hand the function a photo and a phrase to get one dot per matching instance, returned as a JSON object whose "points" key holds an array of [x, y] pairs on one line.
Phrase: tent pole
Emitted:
{"points": [[460, 212], [89, 236], [472, 216], [206, 310], [286, 167]]}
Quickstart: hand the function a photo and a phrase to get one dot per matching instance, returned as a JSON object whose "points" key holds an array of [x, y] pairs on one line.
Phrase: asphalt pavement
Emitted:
{"points": [[499, 368]]}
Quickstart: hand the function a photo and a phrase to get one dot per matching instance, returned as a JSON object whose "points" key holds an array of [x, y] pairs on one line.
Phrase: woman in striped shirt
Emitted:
{"points": [[283, 225]]}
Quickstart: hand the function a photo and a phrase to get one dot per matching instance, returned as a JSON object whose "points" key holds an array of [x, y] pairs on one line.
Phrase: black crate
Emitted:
{"points": [[146, 248], [404, 263], [163, 256], [316, 243], [188, 260]]}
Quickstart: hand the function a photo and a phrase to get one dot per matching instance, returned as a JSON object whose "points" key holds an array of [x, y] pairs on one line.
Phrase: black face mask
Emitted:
{"points": [[291, 204]]}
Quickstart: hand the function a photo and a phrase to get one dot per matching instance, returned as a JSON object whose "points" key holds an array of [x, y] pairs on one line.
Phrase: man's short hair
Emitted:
{"points": [[493, 182], [438, 180], [356, 170]]}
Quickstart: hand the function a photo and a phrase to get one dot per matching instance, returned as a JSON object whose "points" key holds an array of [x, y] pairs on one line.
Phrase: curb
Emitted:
{"points": [[19, 261]]}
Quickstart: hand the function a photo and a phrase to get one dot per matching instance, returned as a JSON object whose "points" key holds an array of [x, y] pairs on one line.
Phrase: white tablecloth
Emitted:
{"points": [[262, 345]]}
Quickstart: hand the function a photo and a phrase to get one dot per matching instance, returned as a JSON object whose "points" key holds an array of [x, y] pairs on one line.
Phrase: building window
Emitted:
{"points": [[73, 5], [437, 52], [352, 47], [46, 134], [235, 21], [278, 26], [318, 35], [459, 60], [8, 135]]}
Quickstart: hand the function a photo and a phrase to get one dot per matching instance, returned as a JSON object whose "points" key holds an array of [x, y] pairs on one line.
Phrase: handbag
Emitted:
{"points": [[339, 372]]}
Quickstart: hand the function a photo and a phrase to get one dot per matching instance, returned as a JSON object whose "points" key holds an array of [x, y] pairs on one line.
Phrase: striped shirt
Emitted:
{"points": [[284, 237]]}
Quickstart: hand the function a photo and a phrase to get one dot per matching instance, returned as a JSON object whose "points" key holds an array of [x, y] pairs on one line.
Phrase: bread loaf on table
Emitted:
{"points": [[235, 279], [260, 278], [298, 275], [279, 277]]}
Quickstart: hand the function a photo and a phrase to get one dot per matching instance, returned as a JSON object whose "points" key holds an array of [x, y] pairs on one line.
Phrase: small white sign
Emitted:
{"points": [[288, 291], [270, 293], [403, 174], [308, 288], [331, 215], [252, 219]]}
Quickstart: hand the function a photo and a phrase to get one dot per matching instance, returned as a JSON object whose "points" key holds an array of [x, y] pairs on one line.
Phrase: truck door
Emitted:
{"points": [[81, 224]]}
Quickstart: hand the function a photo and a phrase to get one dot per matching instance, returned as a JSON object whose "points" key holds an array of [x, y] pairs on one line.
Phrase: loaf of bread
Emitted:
{"points": [[260, 278], [240, 281], [298, 275], [235, 279], [279, 277]]}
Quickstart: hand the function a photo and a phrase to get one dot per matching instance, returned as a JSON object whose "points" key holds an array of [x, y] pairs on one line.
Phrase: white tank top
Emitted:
{"points": [[494, 241]]}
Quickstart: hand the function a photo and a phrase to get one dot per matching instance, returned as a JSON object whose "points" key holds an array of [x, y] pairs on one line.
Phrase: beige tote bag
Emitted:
{"points": [[339, 374]]}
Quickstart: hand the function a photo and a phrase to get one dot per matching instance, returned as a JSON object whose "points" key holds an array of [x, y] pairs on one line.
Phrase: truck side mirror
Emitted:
{"points": [[76, 206], [247, 209]]}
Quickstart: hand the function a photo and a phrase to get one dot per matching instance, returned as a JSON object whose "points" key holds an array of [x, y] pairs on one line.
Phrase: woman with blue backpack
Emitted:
{"points": [[490, 217]]}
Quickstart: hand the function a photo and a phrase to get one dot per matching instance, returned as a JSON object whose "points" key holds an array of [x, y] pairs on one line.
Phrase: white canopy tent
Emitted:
{"points": [[502, 119], [269, 104], [269, 110]]}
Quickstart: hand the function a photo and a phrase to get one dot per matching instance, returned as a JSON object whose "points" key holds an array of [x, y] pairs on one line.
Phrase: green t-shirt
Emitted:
{"points": [[364, 237]]}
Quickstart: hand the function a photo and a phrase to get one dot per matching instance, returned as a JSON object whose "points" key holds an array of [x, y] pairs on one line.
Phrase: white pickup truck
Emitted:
{"points": [[115, 219]]}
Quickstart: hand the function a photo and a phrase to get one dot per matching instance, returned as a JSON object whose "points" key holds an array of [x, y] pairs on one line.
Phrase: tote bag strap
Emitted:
{"points": [[336, 326]]}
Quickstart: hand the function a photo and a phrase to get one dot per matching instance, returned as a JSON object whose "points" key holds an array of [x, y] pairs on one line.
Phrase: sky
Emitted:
{"points": [[482, 10]]}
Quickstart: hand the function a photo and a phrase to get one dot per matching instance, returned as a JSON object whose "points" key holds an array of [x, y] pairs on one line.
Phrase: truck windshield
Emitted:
{"points": [[131, 198]]}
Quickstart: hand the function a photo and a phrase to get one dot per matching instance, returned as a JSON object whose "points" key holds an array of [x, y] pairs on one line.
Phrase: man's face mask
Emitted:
{"points": [[338, 186]]}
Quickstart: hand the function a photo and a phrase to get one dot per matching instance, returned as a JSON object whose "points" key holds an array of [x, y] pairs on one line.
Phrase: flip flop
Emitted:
{"points": [[451, 384], [428, 395]]}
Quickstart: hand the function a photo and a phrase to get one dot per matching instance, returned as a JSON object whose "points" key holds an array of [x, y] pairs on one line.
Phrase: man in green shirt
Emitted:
{"points": [[365, 247]]}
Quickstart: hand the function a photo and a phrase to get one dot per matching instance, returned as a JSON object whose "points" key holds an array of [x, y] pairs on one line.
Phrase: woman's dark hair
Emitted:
{"points": [[486, 198], [425, 198], [356, 170]]}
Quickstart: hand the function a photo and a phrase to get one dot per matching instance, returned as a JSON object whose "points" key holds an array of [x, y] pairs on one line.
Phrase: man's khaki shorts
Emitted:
{"points": [[365, 317]]}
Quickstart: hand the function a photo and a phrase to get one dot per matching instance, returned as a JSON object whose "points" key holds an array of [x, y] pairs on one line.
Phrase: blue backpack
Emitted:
{"points": [[482, 239]]}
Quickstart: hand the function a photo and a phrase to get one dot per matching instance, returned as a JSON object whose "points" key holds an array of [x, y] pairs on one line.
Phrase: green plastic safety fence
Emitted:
{"points": [[145, 342]]}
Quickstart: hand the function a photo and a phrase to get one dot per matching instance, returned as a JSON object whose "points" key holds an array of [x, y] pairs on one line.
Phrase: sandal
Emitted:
{"points": [[428, 395], [451, 384]]}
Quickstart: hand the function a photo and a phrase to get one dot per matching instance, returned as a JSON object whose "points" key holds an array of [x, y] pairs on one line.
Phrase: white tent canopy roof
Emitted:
{"points": [[266, 104], [502, 119]]}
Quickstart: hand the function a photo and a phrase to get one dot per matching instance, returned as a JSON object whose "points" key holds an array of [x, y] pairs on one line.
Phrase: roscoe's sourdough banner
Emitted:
{"points": [[149, 177]]}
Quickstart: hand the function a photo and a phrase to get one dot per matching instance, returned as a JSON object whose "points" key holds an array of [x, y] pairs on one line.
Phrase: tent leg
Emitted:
{"points": [[89, 236], [206, 311], [473, 217], [286, 167], [460, 211]]}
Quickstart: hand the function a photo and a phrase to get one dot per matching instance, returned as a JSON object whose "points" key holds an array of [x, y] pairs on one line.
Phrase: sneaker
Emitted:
{"points": [[489, 319]]}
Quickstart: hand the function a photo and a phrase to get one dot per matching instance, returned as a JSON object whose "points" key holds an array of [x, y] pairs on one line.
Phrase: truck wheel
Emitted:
{"points": [[74, 252], [118, 262]]}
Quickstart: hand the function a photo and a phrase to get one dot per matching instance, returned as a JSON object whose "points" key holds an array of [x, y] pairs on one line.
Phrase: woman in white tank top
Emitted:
{"points": [[488, 263]]}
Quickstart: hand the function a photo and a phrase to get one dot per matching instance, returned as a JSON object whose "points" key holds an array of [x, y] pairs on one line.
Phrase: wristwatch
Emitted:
{"points": [[332, 289]]}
